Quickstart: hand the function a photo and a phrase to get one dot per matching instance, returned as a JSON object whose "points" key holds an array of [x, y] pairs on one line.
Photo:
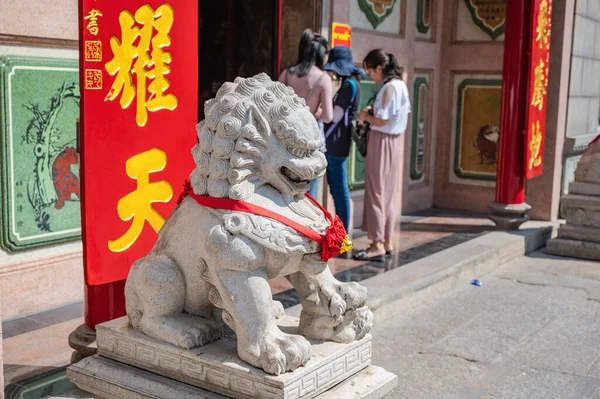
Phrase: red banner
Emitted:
{"points": [[538, 87], [139, 107], [341, 35]]}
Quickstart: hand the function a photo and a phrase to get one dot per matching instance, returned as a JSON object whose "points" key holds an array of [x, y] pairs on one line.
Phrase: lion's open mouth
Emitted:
{"points": [[294, 178]]}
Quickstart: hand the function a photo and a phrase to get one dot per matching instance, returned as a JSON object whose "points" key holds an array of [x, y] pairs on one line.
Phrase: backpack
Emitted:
{"points": [[334, 125]]}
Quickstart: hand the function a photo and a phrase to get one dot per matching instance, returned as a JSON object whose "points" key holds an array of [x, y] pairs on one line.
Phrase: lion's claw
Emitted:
{"points": [[278, 352]]}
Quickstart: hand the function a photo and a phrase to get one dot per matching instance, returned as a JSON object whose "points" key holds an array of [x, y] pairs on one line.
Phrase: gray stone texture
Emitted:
{"points": [[530, 331], [107, 379], [371, 383], [217, 368], [584, 188], [574, 248], [580, 237]]}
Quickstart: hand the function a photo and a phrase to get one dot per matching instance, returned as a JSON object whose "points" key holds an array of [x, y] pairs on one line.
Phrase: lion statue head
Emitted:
{"points": [[257, 132]]}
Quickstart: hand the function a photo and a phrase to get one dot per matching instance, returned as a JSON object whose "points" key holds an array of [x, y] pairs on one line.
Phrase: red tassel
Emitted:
{"points": [[187, 188], [332, 244]]}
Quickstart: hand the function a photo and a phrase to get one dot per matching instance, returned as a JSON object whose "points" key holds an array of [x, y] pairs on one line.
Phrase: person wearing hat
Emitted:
{"points": [[338, 134]]}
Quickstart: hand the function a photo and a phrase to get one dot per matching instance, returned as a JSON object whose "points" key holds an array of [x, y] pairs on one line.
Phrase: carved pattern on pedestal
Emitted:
{"points": [[102, 387], [351, 362], [204, 375], [582, 216]]}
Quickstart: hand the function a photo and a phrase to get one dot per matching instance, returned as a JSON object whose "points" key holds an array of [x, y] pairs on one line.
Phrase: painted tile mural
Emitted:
{"points": [[378, 15], [425, 19], [420, 128], [356, 163], [40, 161], [480, 20], [476, 119]]}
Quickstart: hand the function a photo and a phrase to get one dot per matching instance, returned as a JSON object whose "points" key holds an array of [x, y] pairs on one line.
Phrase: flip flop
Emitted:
{"points": [[362, 255]]}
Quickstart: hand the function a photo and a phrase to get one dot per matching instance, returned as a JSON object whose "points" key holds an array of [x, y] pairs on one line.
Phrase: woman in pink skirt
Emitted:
{"points": [[384, 153]]}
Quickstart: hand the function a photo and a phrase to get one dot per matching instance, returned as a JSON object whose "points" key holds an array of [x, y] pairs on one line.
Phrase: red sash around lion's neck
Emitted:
{"points": [[335, 241]]}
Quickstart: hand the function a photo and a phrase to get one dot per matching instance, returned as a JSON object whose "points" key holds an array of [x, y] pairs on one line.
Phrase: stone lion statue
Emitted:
{"points": [[259, 147]]}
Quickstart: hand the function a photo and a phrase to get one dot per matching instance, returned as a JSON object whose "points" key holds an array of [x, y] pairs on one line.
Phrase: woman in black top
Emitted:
{"points": [[338, 135]]}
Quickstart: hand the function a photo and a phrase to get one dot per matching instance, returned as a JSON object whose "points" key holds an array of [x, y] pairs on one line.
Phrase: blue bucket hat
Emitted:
{"points": [[340, 61]]}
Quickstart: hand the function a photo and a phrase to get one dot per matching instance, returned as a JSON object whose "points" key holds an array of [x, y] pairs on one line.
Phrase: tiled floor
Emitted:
{"points": [[36, 349]]}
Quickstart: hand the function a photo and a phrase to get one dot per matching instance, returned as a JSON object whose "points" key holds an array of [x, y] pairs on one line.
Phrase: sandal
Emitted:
{"points": [[362, 255], [389, 253]]}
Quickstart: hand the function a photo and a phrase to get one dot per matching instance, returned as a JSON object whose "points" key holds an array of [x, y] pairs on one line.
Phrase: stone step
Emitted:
{"points": [[583, 210], [371, 383], [579, 200], [574, 248], [584, 188], [580, 233]]}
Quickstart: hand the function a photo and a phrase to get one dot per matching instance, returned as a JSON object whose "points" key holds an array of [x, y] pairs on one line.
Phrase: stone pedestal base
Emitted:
{"points": [[580, 237], [509, 216], [108, 379], [574, 249], [130, 364], [83, 340]]}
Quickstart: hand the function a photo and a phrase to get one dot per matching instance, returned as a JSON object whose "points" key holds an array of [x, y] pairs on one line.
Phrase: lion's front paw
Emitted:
{"points": [[352, 325], [355, 326], [277, 352], [346, 297], [354, 294]]}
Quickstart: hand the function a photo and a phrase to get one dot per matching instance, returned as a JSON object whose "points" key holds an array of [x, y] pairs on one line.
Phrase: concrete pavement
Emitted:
{"points": [[532, 330]]}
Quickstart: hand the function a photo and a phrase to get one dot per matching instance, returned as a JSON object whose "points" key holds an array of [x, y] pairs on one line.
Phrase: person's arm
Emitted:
{"points": [[373, 120], [326, 99], [382, 112]]}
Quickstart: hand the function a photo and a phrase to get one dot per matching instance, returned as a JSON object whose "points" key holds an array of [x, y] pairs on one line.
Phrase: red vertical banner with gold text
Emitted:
{"points": [[538, 87], [139, 82]]}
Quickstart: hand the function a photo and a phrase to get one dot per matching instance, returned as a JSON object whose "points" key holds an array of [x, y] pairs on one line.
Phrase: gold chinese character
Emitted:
{"points": [[544, 24], [93, 79], [92, 26], [535, 144], [93, 50], [125, 52], [138, 204], [540, 84]]}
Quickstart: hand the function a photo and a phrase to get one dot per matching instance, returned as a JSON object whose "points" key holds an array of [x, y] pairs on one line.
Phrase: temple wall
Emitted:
{"points": [[463, 61], [36, 279], [39, 18], [469, 106]]}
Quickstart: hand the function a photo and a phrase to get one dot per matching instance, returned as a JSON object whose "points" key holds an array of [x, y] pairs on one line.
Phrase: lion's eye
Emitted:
{"points": [[296, 151]]}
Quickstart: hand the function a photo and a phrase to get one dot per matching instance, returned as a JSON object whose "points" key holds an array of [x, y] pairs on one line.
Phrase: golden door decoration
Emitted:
{"points": [[477, 128]]}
